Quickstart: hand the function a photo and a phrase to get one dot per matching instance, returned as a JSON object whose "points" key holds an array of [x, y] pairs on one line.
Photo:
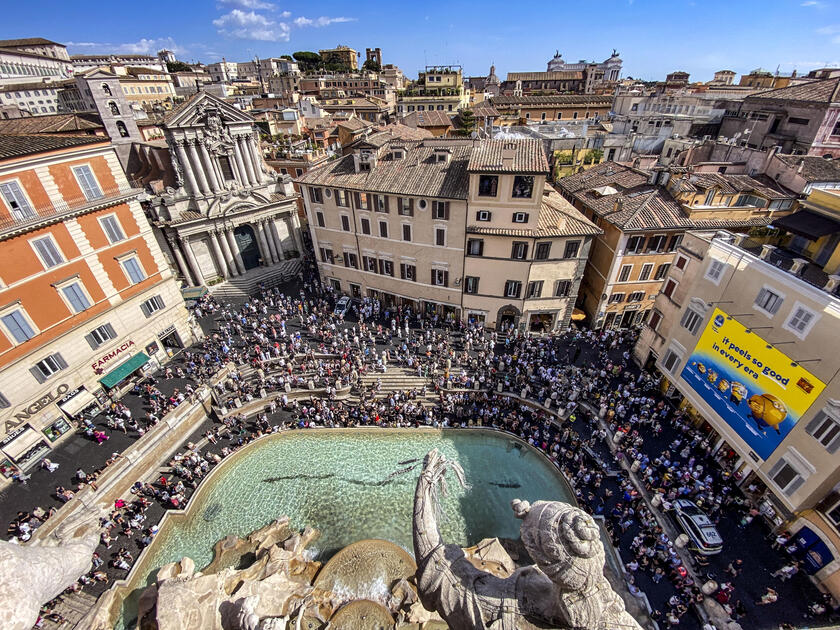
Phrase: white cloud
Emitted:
{"points": [[249, 4], [321, 21], [813, 3], [286, 14], [240, 24], [143, 46]]}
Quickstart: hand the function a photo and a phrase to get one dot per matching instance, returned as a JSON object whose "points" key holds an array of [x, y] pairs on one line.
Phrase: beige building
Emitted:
{"points": [[744, 341], [516, 110], [341, 55], [644, 216], [438, 88], [465, 229]]}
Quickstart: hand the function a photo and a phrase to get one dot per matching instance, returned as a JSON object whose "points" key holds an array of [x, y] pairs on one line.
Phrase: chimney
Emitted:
{"points": [[801, 166], [508, 154]]}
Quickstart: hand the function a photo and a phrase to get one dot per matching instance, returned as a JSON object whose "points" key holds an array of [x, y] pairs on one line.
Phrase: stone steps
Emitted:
{"points": [[73, 607], [245, 285]]}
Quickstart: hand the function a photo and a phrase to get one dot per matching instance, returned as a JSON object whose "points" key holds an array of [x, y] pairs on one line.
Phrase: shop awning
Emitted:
{"points": [[121, 372], [811, 225], [82, 400], [22, 443]]}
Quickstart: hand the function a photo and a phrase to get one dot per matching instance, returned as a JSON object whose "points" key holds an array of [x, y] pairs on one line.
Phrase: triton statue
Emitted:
{"points": [[565, 589], [33, 574]]}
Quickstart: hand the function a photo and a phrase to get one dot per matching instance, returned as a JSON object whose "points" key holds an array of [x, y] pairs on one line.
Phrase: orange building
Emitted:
{"points": [[87, 301]]}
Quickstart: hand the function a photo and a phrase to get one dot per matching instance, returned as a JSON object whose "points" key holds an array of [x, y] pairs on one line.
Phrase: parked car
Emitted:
{"points": [[342, 306], [699, 528]]}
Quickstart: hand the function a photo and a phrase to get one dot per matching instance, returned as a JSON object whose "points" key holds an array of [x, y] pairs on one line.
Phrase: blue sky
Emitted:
{"points": [[653, 37]]}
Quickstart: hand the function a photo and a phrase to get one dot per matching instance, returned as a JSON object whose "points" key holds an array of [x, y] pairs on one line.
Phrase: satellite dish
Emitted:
{"points": [[474, 135]]}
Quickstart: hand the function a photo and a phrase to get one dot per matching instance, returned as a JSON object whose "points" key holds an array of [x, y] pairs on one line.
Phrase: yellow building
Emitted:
{"points": [[815, 229], [341, 55], [644, 217], [438, 88]]}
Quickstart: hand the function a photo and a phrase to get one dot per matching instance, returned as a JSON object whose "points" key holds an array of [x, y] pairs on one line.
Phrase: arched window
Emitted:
{"points": [[122, 129], [107, 89], [114, 109]]}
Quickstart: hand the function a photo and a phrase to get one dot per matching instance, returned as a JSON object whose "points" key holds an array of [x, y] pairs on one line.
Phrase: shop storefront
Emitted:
{"points": [[24, 447], [77, 404], [125, 370], [170, 339]]}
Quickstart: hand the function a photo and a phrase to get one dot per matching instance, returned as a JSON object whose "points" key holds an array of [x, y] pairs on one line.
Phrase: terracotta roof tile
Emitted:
{"points": [[16, 146], [52, 123], [428, 119], [508, 156], [825, 91], [416, 174]]}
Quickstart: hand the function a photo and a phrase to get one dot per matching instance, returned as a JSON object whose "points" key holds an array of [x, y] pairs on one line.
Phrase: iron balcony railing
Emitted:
{"points": [[18, 219]]}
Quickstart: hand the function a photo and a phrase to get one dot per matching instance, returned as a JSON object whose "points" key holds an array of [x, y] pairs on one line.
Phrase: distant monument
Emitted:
{"points": [[564, 589]]}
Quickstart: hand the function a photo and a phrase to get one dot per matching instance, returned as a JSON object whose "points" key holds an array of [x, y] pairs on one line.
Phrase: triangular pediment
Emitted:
{"points": [[99, 73], [194, 112]]}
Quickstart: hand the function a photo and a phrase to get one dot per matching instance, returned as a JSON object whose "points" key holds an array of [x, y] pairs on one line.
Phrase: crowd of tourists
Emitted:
{"points": [[296, 364]]}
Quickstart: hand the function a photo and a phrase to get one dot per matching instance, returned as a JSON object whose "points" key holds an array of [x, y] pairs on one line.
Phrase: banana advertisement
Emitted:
{"points": [[756, 389]]}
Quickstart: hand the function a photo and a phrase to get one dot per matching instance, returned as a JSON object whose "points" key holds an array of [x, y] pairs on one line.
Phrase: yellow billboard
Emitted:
{"points": [[758, 390]]}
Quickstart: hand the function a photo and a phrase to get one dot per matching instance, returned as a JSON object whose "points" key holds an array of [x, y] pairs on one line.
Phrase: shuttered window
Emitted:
{"points": [[88, 183]]}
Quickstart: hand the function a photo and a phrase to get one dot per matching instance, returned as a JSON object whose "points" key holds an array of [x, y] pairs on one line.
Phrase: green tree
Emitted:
{"points": [[286, 57], [308, 60], [371, 66], [466, 123], [178, 66]]}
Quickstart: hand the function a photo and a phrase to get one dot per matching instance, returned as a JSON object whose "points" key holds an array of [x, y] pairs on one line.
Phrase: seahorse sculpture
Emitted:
{"points": [[565, 589], [33, 574]]}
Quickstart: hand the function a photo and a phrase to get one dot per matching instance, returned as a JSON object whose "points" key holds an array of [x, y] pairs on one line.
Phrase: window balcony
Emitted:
{"points": [[31, 217]]}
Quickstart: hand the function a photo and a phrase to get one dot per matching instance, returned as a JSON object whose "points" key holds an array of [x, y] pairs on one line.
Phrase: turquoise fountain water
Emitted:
{"points": [[357, 484]]}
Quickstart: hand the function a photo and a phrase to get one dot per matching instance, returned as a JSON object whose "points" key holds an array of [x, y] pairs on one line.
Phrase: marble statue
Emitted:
{"points": [[564, 589], [33, 574]]}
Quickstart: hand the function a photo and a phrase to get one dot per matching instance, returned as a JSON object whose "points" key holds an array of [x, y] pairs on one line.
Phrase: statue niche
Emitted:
{"points": [[217, 138]]}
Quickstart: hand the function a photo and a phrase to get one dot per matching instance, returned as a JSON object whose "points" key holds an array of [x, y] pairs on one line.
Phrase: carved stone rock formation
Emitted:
{"points": [[565, 589], [31, 575]]}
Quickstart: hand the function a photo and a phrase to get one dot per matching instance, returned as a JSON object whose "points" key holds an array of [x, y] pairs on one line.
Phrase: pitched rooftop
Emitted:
{"points": [[826, 91], [17, 146], [52, 123], [418, 173], [508, 156]]}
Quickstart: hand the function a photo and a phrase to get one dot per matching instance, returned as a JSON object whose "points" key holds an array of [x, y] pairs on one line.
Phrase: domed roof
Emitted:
{"points": [[492, 79]]}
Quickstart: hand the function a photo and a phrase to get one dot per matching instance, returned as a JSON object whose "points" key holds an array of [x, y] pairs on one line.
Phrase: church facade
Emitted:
{"points": [[227, 212]]}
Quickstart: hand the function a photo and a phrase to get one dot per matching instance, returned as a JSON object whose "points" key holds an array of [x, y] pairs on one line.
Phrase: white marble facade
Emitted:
{"points": [[230, 212]]}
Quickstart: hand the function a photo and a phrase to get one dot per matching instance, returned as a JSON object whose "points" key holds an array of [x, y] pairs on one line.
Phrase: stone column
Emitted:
{"points": [[209, 167], [217, 252], [246, 158], [264, 251], [264, 224], [179, 260], [294, 230], [185, 164], [278, 245], [254, 150], [240, 164], [234, 248], [196, 270], [233, 270], [197, 168]]}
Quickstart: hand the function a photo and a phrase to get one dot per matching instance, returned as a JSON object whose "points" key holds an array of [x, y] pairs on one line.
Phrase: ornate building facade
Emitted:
{"points": [[228, 211]]}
